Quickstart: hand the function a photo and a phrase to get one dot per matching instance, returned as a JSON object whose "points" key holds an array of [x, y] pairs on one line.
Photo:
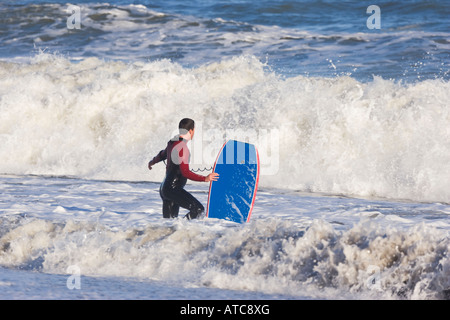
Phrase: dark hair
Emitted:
{"points": [[185, 125]]}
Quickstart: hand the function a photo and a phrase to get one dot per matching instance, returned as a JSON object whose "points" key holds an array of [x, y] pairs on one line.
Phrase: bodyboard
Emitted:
{"points": [[233, 195]]}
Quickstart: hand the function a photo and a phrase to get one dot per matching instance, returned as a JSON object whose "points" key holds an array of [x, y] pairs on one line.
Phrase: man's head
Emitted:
{"points": [[187, 128]]}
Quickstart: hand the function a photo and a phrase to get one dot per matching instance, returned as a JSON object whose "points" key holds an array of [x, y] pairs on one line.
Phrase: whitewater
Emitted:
{"points": [[353, 198], [297, 246], [103, 119], [352, 127]]}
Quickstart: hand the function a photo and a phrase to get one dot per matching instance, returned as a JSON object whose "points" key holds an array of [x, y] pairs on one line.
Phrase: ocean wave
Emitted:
{"points": [[271, 256], [106, 119], [323, 46]]}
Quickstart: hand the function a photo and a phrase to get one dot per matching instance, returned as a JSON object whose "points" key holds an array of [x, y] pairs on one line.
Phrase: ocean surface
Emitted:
{"points": [[348, 107]]}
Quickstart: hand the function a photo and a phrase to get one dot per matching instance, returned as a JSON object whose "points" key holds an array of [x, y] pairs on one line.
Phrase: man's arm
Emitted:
{"points": [[162, 155], [187, 173]]}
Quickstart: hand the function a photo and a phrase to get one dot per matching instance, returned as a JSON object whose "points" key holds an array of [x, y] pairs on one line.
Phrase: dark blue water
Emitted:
{"points": [[312, 38]]}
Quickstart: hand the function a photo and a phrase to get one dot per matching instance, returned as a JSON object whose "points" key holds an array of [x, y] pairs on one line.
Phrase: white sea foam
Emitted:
{"points": [[76, 133], [269, 256], [106, 119], [297, 245], [137, 33]]}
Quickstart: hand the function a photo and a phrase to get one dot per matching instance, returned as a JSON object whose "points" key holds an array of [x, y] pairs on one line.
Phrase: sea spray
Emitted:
{"points": [[272, 256], [105, 119]]}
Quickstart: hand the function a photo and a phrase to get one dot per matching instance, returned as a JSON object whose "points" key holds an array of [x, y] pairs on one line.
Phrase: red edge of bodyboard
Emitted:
{"points": [[256, 186], [210, 184]]}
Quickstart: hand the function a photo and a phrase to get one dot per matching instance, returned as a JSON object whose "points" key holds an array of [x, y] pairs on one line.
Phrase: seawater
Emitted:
{"points": [[326, 39], [106, 119], [110, 237], [352, 126]]}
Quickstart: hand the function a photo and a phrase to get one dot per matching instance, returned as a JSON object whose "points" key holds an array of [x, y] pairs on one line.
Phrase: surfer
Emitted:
{"points": [[172, 189]]}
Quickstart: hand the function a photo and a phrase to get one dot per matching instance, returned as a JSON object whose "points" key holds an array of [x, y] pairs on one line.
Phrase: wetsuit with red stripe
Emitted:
{"points": [[177, 173]]}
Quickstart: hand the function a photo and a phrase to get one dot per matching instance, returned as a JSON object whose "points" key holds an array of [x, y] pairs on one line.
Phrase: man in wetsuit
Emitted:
{"points": [[177, 172]]}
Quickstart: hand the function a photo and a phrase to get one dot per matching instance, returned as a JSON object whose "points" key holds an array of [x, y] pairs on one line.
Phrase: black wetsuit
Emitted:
{"points": [[177, 172]]}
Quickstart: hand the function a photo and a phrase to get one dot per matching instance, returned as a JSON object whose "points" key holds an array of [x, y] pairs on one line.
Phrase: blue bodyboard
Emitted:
{"points": [[232, 196]]}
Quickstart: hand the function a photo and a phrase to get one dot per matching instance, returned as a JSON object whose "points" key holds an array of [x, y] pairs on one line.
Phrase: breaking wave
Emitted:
{"points": [[106, 119], [271, 256]]}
